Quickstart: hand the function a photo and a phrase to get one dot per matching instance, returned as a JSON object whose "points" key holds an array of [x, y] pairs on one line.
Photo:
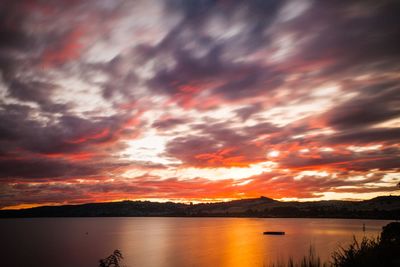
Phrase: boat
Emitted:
{"points": [[274, 233]]}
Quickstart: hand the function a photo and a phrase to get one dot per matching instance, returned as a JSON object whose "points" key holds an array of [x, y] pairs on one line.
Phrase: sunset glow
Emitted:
{"points": [[195, 101]]}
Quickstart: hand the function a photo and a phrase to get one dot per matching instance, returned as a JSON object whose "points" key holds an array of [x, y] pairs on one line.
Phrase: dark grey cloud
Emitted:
{"points": [[169, 123], [261, 129], [382, 159], [43, 168], [121, 77], [251, 82], [217, 63], [355, 35], [373, 104], [246, 112], [12, 35], [258, 14], [220, 144], [365, 136], [37, 92], [65, 134]]}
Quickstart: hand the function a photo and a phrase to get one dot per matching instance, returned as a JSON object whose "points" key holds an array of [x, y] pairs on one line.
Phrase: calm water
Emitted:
{"points": [[172, 242]]}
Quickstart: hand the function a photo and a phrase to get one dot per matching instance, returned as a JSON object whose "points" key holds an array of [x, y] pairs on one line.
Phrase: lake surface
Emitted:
{"points": [[172, 242]]}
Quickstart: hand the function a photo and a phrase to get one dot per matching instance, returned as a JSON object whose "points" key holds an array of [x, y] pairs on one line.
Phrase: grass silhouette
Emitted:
{"points": [[383, 251], [310, 260]]}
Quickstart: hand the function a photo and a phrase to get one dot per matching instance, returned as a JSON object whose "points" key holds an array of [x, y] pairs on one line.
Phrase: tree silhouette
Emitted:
{"points": [[113, 260]]}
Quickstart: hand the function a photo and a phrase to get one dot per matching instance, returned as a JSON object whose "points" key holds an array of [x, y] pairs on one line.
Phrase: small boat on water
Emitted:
{"points": [[274, 233]]}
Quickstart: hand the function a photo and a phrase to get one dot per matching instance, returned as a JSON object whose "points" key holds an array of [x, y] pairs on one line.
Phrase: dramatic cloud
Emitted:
{"points": [[195, 100]]}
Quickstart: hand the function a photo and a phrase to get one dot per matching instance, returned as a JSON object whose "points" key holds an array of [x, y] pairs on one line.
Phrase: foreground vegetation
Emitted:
{"points": [[383, 252], [311, 260], [114, 260]]}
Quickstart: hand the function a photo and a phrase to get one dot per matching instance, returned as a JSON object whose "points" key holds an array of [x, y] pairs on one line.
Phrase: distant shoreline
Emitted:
{"points": [[197, 217], [380, 208]]}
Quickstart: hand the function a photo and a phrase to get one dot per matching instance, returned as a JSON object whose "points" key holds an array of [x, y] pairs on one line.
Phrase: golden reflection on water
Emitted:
{"points": [[233, 242], [242, 247], [173, 242]]}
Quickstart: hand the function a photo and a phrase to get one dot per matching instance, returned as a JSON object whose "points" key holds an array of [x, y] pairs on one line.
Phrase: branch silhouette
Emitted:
{"points": [[113, 260]]}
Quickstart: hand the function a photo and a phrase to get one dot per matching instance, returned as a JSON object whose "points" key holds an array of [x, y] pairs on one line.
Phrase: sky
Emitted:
{"points": [[198, 100]]}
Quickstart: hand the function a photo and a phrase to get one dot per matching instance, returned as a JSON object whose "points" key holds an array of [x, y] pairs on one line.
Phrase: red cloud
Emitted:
{"points": [[81, 156], [69, 48], [222, 157], [100, 135]]}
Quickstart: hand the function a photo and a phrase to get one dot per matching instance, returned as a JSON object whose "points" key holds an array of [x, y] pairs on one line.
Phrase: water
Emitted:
{"points": [[172, 242]]}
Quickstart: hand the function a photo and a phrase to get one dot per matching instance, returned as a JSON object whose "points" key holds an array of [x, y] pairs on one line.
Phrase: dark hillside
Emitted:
{"points": [[385, 207]]}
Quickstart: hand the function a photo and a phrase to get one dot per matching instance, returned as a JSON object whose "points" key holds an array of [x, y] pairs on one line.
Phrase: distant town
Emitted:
{"points": [[383, 207]]}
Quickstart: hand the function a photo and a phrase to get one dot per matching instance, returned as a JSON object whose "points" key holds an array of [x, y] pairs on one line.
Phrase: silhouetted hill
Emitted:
{"points": [[385, 207]]}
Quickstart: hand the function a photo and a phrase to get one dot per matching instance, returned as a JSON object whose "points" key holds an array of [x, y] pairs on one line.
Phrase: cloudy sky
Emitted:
{"points": [[182, 100]]}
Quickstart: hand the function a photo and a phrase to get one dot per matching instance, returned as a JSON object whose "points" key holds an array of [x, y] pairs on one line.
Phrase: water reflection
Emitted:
{"points": [[173, 242]]}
